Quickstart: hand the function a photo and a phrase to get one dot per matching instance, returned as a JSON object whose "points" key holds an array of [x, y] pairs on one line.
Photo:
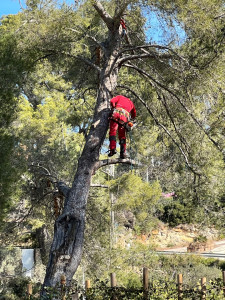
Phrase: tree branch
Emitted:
{"points": [[145, 55], [178, 99], [103, 14], [88, 36], [113, 161], [120, 8], [88, 62], [46, 171], [181, 138], [95, 185], [141, 47], [63, 188]]}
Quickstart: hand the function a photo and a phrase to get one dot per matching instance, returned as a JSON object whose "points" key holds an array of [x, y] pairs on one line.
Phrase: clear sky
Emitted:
{"points": [[8, 7], [155, 30]]}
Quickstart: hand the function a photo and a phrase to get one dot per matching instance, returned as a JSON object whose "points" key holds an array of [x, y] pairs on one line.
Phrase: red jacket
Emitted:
{"points": [[125, 103], [122, 23]]}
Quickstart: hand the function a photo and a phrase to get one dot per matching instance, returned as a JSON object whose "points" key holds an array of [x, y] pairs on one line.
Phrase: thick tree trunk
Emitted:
{"points": [[67, 245]]}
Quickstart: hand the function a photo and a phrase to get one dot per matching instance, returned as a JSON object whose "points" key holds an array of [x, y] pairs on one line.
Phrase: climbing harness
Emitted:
{"points": [[129, 125], [122, 117], [121, 111]]}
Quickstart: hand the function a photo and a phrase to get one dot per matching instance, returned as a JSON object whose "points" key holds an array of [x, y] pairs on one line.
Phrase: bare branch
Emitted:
{"points": [[21, 6], [85, 60], [113, 161], [99, 185], [220, 16], [46, 171], [141, 47]]}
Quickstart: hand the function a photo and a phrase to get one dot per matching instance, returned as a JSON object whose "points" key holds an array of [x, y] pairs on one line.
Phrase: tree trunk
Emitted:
{"points": [[67, 245]]}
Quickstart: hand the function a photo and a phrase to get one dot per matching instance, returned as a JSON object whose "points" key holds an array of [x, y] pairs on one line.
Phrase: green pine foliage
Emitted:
{"points": [[47, 99]]}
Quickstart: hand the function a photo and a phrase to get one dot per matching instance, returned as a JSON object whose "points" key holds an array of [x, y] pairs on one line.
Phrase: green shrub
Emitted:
{"points": [[177, 213]]}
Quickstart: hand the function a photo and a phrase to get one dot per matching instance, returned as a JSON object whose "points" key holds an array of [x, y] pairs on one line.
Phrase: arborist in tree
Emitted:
{"points": [[123, 110], [124, 32], [122, 23]]}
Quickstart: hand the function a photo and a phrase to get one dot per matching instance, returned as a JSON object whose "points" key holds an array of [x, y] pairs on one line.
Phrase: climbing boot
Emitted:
{"points": [[112, 152], [123, 155], [123, 149]]}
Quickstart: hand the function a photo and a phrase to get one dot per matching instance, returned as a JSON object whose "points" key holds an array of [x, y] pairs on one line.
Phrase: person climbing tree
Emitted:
{"points": [[122, 23], [125, 32], [123, 109]]}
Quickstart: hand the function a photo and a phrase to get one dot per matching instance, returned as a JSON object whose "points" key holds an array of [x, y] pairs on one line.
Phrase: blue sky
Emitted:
{"points": [[155, 29], [8, 7]]}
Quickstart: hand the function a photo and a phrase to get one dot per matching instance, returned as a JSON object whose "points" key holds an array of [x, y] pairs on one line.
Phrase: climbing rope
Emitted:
{"points": [[132, 142]]}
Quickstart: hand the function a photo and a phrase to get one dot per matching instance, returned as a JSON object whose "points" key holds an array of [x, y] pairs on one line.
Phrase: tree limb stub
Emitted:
{"points": [[63, 188]]}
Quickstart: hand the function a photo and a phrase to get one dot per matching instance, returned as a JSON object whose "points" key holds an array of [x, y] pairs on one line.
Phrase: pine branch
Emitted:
{"points": [[181, 138], [145, 55], [157, 83], [113, 161]]}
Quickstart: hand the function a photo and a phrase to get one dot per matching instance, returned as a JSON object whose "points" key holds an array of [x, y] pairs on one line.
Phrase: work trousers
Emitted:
{"points": [[114, 127]]}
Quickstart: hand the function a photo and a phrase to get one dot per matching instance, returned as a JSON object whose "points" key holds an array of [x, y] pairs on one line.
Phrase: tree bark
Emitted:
{"points": [[67, 245]]}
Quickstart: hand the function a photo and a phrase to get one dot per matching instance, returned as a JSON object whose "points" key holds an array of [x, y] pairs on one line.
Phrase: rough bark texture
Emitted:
{"points": [[67, 245], [43, 242]]}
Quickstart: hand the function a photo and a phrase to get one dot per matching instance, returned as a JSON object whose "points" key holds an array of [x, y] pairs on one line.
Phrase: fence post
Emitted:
{"points": [[180, 286], [63, 287], [87, 286], [203, 288], [145, 283], [113, 279], [113, 284], [29, 290], [223, 274]]}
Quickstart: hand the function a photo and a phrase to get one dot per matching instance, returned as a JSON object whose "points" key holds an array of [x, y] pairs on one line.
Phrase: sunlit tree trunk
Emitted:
{"points": [[67, 245]]}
